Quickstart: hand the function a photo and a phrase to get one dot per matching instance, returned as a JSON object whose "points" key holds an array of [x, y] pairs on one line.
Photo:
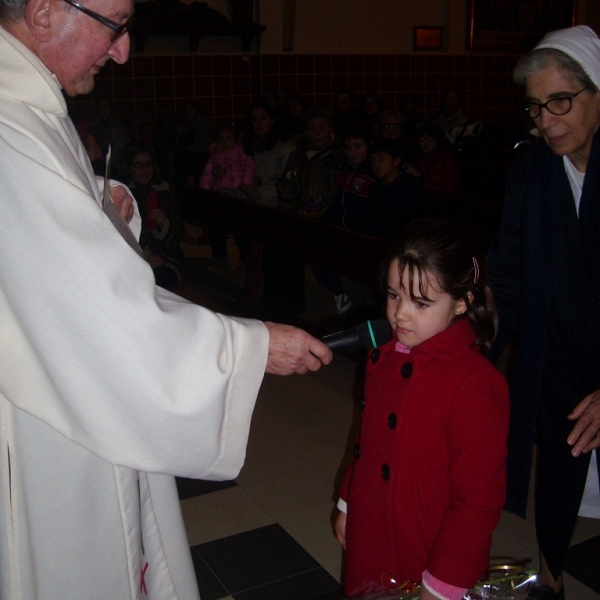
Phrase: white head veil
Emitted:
{"points": [[581, 44]]}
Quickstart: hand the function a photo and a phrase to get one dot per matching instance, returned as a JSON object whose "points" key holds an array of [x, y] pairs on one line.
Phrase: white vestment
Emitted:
{"points": [[109, 385]]}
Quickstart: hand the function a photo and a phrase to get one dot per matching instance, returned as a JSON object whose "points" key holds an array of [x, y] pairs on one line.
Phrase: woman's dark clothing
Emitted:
{"points": [[544, 270], [161, 241], [393, 206]]}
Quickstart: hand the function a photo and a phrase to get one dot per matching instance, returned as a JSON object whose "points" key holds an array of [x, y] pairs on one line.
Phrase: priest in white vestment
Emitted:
{"points": [[109, 385]]}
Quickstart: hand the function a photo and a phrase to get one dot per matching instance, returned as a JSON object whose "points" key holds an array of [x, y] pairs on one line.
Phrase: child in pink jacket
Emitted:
{"points": [[229, 166]]}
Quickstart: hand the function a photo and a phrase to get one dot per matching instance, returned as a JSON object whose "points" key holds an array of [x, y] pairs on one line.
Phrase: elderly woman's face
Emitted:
{"points": [[569, 134]]}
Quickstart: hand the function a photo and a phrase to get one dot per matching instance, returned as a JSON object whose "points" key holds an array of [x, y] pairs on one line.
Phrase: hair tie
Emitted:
{"points": [[476, 268]]}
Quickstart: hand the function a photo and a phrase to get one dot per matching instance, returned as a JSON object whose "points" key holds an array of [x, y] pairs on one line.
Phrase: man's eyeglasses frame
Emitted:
{"points": [[118, 29]]}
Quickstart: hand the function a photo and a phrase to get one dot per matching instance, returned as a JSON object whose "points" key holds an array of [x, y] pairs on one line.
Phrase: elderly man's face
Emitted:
{"points": [[81, 45]]}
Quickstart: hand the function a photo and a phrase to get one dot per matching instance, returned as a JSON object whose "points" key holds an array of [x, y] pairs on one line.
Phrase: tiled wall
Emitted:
{"points": [[224, 85]]}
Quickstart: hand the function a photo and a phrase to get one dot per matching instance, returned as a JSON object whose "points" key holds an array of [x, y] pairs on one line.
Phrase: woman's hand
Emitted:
{"points": [[340, 528], [585, 436]]}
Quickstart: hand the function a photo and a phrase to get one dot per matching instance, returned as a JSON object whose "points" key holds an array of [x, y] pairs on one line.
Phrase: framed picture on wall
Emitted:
{"points": [[428, 38], [515, 26]]}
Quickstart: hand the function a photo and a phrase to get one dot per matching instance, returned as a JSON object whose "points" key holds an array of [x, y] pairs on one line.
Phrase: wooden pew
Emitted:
{"points": [[345, 252]]}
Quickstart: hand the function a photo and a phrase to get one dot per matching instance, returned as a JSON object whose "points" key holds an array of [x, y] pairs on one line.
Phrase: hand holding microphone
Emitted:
{"points": [[370, 334]]}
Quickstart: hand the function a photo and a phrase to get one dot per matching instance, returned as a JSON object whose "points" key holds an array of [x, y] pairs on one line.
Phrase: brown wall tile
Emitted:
{"points": [[225, 85]]}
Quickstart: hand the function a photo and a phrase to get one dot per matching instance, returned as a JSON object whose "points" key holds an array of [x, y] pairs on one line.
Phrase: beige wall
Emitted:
{"points": [[349, 27]]}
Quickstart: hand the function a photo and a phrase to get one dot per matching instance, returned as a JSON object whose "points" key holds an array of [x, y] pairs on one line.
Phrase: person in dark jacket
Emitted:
{"points": [[544, 271], [350, 205], [397, 197], [309, 182]]}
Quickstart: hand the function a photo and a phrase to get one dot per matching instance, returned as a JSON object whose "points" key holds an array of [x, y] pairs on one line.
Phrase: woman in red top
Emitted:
{"points": [[427, 483]]}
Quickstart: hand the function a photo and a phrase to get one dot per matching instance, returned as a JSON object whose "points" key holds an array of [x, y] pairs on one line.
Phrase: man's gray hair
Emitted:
{"points": [[12, 10], [542, 58]]}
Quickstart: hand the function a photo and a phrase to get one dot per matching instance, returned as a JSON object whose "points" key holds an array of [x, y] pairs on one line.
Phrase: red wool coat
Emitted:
{"points": [[427, 483]]}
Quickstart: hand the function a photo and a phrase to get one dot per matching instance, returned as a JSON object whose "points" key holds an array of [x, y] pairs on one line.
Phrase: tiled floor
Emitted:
{"points": [[268, 535]]}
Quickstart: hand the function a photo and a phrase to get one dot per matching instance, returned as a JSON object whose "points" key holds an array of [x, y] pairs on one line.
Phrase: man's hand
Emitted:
{"points": [[292, 350], [123, 201], [585, 436]]}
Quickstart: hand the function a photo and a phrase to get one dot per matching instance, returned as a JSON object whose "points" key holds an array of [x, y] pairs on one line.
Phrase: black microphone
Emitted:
{"points": [[370, 334]]}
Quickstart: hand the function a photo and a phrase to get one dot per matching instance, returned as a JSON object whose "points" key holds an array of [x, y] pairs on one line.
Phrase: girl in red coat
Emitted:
{"points": [[426, 486]]}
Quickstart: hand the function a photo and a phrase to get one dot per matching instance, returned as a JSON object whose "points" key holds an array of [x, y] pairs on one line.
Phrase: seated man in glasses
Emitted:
{"points": [[109, 385]]}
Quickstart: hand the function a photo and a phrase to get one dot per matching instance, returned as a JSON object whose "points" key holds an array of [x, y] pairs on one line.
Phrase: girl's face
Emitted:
{"points": [[261, 121], [385, 166], [226, 139], [142, 169], [427, 143], [356, 150], [415, 321]]}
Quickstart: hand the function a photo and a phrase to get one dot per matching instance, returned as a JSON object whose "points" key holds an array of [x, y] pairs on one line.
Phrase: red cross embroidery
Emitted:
{"points": [[143, 583]]}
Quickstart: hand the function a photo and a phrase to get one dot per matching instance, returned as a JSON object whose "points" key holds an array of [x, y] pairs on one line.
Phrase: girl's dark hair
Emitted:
{"points": [[445, 251]]}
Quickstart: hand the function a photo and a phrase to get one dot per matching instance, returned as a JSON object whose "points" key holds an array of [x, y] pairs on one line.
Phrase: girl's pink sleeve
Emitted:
{"points": [[207, 181]]}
